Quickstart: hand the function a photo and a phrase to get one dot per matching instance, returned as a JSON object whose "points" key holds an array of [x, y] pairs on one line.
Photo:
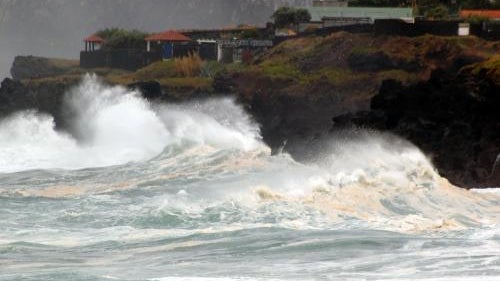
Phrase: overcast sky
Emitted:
{"points": [[55, 28]]}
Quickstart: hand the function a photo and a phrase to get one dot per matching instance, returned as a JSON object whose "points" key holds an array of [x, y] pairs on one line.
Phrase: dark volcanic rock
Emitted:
{"points": [[14, 96], [288, 122], [379, 61], [30, 67], [44, 97], [150, 90], [455, 119], [369, 62]]}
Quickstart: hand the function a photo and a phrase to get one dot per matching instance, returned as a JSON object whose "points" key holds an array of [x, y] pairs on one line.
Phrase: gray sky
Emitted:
{"points": [[55, 28]]}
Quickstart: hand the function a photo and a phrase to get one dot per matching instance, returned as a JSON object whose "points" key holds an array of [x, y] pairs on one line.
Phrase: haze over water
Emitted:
{"points": [[190, 192]]}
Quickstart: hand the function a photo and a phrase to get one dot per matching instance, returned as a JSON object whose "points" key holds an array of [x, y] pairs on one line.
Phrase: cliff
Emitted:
{"points": [[427, 89], [295, 88], [453, 118], [31, 67]]}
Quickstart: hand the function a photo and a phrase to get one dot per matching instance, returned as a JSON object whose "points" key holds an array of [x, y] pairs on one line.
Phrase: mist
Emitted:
{"points": [[55, 28]]}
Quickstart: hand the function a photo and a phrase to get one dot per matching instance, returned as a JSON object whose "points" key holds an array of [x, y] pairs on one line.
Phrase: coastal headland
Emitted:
{"points": [[441, 93]]}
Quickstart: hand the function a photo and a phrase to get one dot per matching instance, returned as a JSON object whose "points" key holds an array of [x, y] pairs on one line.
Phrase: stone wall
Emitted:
{"points": [[128, 59]]}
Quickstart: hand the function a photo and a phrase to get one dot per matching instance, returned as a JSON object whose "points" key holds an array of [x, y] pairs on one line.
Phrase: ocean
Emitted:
{"points": [[189, 191]]}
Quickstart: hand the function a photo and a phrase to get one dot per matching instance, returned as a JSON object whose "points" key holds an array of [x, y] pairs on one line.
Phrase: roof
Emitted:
{"points": [[94, 39], [318, 13], [169, 36], [493, 14]]}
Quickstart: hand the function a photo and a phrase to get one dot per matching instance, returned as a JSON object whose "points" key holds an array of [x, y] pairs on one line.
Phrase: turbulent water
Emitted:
{"points": [[190, 192]]}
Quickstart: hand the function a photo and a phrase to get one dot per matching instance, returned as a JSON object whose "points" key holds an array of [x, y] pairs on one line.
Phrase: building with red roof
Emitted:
{"points": [[92, 42], [168, 36], [491, 14], [167, 40]]}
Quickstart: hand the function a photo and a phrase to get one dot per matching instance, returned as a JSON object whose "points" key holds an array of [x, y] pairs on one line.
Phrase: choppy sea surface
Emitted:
{"points": [[190, 192]]}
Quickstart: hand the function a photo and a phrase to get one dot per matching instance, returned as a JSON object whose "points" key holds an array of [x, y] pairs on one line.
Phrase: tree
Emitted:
{"points": [[288, 16], [117, 38], [302, 15], [435, 9], [437, 12]]}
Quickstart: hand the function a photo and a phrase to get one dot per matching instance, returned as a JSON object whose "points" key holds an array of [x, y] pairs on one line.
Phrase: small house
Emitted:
{"points": [[170, 43]]}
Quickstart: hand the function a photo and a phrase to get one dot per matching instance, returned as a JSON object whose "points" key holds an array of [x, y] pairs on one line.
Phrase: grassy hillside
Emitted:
{"points": [[349, 67], [490, 67]]}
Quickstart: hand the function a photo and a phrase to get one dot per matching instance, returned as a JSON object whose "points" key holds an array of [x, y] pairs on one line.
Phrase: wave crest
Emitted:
{"points": [[114, 125]]}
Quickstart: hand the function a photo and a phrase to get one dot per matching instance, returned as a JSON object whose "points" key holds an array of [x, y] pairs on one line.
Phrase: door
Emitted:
{"points": [[167, 51]]}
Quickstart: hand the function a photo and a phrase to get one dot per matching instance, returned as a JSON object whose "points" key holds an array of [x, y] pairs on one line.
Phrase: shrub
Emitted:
{"points": [[117, 38], [211, 68], [287, 16], [437, 12], [189, 66], [477, 19]]}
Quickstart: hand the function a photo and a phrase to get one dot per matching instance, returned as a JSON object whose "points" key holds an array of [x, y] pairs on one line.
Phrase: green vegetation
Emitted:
{"points": [[278, 68], [477, 19], [178, 74], [63, 63], [399, 75], [437, 12], [156, 70], [289, 16], [313, 65], [319, 66], [117, 38], [490, 68]]}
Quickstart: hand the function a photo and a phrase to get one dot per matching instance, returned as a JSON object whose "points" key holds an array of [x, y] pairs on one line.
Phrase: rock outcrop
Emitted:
{"points": [[43, 97], [30, 67], [454, 119]]}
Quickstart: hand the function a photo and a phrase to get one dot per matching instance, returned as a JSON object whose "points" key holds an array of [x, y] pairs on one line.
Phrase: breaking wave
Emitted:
{"points": [[169, 189], [113, 125], [368, 176]]}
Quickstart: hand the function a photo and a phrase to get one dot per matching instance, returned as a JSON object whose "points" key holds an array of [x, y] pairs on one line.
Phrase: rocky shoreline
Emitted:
{"points": [[454, 119], [452, 115]]}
